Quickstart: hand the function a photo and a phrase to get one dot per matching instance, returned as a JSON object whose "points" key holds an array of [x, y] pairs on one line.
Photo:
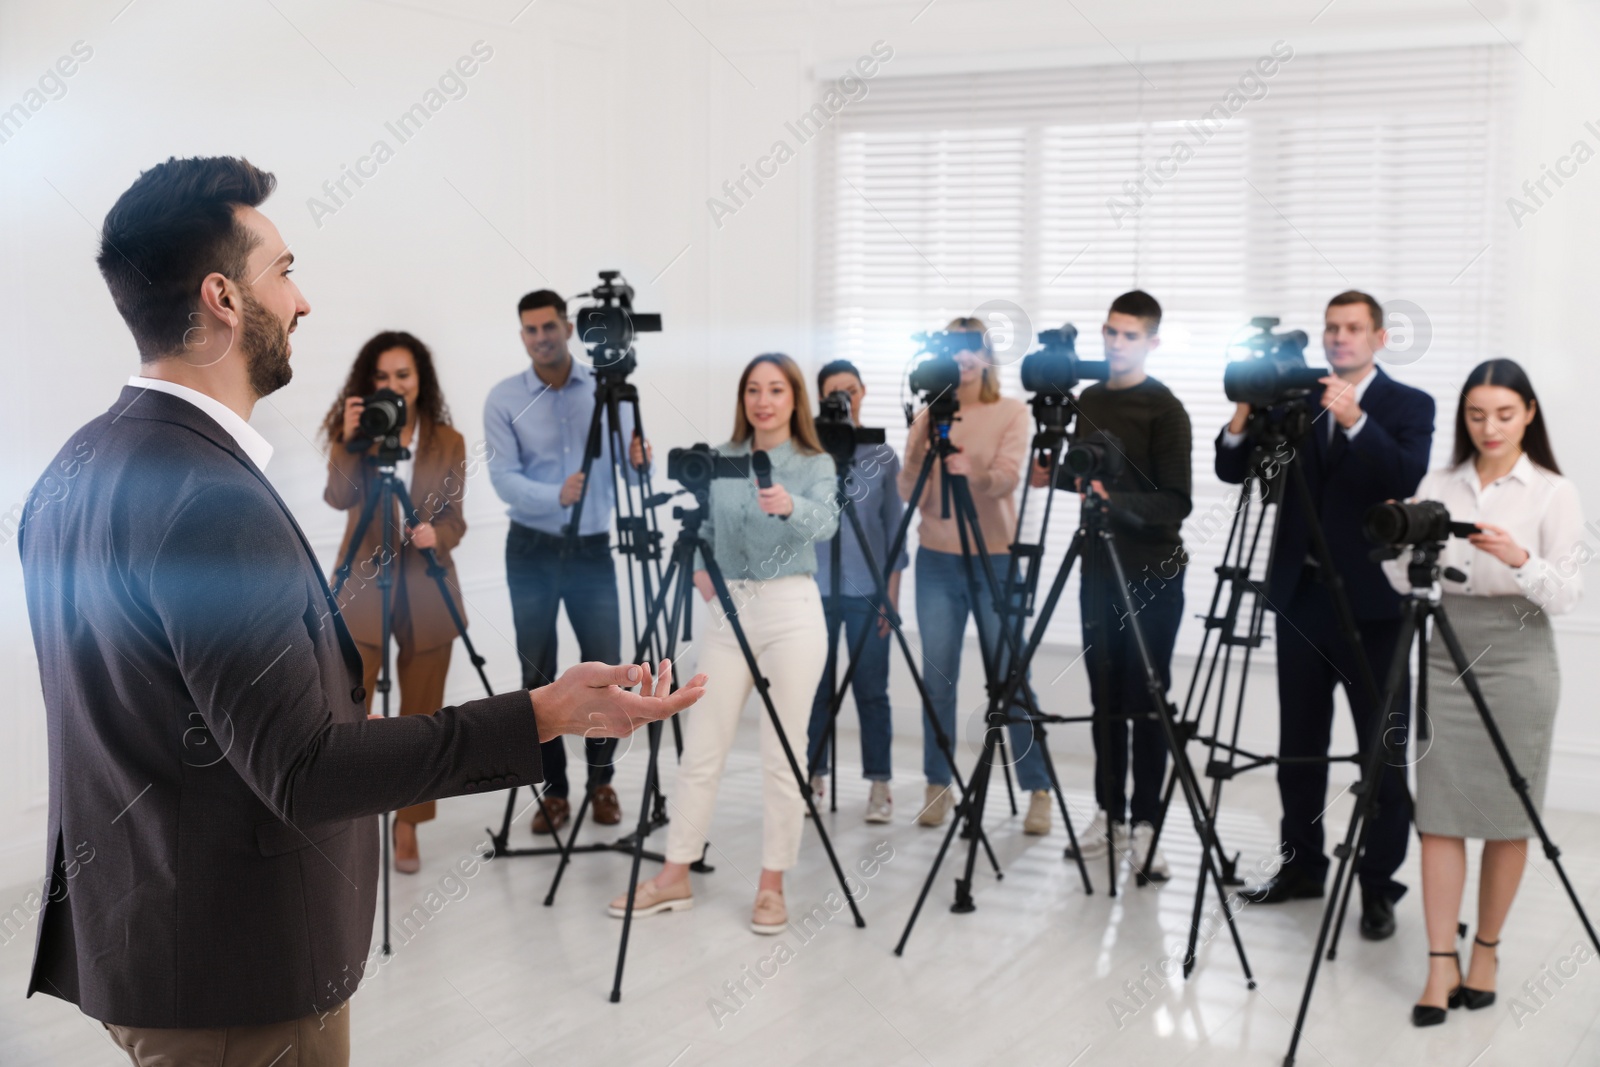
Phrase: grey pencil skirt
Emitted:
{"points": [[1463, 790]]}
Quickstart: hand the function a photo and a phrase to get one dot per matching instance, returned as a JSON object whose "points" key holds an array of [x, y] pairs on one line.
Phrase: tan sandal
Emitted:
{"points": [[650, 899]]}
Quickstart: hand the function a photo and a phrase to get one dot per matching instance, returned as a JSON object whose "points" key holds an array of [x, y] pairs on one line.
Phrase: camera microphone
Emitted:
{"points": [[761, 467]]}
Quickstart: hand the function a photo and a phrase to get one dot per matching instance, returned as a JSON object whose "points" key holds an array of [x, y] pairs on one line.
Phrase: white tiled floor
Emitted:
{"points": [[1029, 978]]}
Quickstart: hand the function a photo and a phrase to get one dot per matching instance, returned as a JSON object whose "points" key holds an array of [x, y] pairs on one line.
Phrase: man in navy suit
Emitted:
{"points": [[1368, 443]]}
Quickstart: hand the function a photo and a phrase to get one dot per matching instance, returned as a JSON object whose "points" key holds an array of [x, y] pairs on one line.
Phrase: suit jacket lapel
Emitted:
{"points": [[163, 407]]}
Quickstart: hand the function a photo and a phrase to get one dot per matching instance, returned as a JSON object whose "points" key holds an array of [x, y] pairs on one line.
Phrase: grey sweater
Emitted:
{"points": [[750, 544]]}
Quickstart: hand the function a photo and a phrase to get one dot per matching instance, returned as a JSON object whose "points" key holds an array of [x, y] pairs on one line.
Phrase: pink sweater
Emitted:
{"points": [[995, 437]]}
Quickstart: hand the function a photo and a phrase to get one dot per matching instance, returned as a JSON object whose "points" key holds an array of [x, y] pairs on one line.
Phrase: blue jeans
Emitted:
{"points": [[870, 684], [540, 580], [942, 609]]}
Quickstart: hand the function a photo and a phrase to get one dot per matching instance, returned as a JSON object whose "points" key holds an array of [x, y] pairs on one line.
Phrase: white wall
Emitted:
{"points": [[592, 139]]}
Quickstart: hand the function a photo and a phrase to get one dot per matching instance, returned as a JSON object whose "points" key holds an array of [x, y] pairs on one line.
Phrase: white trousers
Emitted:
{"points": [[783, 621]]}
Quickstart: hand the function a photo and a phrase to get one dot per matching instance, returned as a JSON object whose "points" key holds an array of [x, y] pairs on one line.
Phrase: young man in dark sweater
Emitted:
{"points": [[1148, 429]]}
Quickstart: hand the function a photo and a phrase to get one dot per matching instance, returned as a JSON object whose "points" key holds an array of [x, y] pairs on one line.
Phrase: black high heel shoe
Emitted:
{"points": [[1428, 1014], [1480, 998]]}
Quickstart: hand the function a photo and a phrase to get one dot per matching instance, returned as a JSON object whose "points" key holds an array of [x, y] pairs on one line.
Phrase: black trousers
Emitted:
{"points": [[1120, 694], [540, 580], [1314, 657]]}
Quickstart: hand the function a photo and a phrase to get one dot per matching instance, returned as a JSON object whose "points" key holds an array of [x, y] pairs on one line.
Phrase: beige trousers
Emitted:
{"points": [[311, 1041], [783, 621]]}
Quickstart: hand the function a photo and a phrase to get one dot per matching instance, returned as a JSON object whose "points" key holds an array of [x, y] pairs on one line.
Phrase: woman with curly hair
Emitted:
{"points": [[434, 473]]}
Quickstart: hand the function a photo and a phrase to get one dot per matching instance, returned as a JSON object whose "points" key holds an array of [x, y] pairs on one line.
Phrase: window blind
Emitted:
{"points": [[1379, 171]]}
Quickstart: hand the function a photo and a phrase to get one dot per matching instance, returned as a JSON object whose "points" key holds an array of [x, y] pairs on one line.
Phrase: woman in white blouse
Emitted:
{"points": [[1519, 570]]}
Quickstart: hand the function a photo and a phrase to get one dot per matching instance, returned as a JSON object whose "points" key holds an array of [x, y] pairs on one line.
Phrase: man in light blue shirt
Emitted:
{"points": [[537, 425]]}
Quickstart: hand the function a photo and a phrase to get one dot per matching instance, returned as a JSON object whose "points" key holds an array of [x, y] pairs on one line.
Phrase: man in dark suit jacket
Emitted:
{"points": [[207, 732], [1369, 443]]}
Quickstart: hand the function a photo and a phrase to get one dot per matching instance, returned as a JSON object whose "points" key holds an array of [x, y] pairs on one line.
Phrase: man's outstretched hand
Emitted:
{"points": [[590, 700]]}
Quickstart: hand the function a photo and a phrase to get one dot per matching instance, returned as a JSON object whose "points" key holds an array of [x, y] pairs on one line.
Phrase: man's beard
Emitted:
{"points": [[266, 347]]}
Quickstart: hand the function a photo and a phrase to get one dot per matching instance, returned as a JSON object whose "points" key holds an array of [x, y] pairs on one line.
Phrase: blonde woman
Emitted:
{"points": [[991, 435], [763, 542]]}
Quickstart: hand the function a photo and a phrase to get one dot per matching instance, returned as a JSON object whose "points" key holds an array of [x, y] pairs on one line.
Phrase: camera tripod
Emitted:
{"points": [[675, 599], [1424, 602], [1094, 537], [847, 508], [1276, 468], [386, 494], [1005, 685], [639, 539]]}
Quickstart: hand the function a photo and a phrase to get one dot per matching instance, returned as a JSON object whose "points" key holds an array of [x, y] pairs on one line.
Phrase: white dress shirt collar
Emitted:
{"points": [[244, 435], [1467, 472]]}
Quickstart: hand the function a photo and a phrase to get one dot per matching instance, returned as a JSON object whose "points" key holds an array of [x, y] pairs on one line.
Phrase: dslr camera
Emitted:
{"points": [[608, 327], [383, 414], [694, 467], [838, 434], [1275, 369], [1422, 523], [1095, 455]]}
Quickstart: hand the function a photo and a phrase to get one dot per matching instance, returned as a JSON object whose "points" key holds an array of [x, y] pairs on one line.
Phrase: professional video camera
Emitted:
{"points": [[838, 434], [1424, 522], [382, 416], [1274, 370], [607, 329], [695, 466], [1055, 369], [939, 376]]}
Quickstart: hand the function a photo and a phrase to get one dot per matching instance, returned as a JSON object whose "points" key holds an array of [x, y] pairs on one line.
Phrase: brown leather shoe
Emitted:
{"points": [[605, 805], [559, 812]]}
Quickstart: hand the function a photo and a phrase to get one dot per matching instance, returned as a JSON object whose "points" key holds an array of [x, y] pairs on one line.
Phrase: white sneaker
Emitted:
{"points": [[818, 785], [1092, 841], [1143, 837], [879, 806], [1037, 821]]}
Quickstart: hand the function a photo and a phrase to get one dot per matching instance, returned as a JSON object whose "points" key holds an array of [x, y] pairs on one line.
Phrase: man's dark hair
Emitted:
{"points": [[1142, 306], [543, 298], [173, 226], [837, 366], [1356, 296]]}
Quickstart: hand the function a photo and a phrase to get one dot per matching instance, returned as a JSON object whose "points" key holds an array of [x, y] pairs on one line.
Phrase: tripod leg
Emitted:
{"points": [[566, 850], [1518, 782], [1191, 788], [681, 569], [933, 871], [1066, 820], [654, 733], [1005, 767], [1411, 618]]}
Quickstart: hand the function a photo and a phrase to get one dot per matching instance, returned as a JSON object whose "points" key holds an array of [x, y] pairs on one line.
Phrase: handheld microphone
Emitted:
{"points": [[761, 467]]}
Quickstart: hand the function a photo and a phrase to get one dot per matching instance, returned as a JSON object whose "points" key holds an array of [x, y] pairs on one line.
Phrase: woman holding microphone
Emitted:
{"points": [[1519, 570], [436, 478], [762, 540], [991, 435]]}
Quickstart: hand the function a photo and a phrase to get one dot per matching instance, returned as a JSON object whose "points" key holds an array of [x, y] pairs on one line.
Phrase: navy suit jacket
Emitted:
{"points": [[214, 779], [1385, 461]]}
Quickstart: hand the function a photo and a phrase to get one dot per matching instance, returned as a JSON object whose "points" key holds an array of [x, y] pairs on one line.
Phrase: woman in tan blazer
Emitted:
{"points": [[436, 478]]}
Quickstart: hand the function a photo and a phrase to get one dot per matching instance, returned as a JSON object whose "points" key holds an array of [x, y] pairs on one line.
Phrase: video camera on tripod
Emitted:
{"points": [[1274, 370], [607, 329], [939, 376], [838, 433]]}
